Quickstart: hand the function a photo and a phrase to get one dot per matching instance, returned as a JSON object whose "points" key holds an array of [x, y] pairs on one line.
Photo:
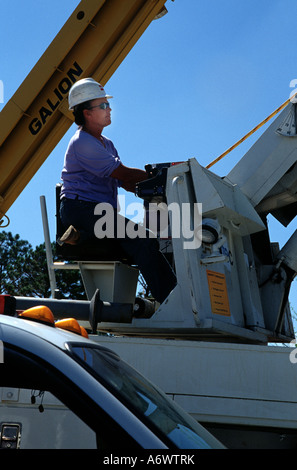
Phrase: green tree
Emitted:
{"points": [[15, 264], [24, 272]]}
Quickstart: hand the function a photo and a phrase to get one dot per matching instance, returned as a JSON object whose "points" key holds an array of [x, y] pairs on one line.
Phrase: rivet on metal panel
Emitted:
{"points": [[80, 15]]}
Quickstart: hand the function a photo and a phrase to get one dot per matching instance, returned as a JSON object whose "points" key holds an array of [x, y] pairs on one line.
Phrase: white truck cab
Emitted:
{"points": [[59, 389]]}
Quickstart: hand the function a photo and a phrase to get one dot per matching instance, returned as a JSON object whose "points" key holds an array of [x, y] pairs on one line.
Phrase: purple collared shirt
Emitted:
{"points": [[88, 165]]}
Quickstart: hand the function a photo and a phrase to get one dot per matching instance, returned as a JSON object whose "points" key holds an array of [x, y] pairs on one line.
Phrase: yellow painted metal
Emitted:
{"points": [[92, 43]]}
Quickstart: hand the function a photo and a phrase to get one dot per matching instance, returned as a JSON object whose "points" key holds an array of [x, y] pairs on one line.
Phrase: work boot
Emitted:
{"points": [[71, 236]]}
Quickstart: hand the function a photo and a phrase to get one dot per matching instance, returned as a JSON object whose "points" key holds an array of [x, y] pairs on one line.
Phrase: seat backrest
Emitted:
{"points": [[95, 250]]}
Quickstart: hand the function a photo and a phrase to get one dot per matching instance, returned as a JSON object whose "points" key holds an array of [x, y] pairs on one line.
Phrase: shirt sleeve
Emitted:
{"points": [[94, 157]]}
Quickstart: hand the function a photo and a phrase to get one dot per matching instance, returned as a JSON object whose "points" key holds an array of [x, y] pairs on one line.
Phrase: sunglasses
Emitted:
{"points": [[101, 106]]}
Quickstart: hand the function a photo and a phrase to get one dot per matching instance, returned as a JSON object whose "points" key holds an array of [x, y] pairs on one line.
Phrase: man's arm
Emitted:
{"points": [[129, 176]]}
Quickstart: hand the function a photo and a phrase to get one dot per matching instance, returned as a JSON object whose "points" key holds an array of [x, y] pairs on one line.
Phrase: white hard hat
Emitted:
{"points": [[85, 90]]}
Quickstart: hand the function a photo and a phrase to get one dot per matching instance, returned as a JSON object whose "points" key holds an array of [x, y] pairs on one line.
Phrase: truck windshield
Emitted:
{"points": [[142, 398]]}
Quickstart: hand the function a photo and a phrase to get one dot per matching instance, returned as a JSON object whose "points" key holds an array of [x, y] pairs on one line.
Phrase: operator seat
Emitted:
{"points": [[103, 250]]}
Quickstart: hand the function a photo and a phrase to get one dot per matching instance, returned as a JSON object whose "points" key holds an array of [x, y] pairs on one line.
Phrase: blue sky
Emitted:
{"points": [[197, 81]]}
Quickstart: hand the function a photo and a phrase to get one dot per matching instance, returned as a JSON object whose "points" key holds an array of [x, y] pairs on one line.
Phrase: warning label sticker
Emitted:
{"points": [[218, 293]]}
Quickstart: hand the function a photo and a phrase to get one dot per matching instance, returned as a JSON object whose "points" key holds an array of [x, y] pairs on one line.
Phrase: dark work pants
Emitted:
{"points": [[144, 252]]}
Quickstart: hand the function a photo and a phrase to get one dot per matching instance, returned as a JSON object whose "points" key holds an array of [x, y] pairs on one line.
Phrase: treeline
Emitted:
{"points": [[24, 272]]}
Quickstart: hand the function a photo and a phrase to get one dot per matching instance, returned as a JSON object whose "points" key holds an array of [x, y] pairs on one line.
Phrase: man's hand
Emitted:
{"points": [[129, 176]]}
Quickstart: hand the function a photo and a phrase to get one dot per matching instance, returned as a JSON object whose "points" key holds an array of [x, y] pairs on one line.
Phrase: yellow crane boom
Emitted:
{"points": [[93, 42]]}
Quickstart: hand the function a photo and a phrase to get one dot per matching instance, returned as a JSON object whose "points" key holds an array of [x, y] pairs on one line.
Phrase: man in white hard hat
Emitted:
{"points": [[92, 174]]}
